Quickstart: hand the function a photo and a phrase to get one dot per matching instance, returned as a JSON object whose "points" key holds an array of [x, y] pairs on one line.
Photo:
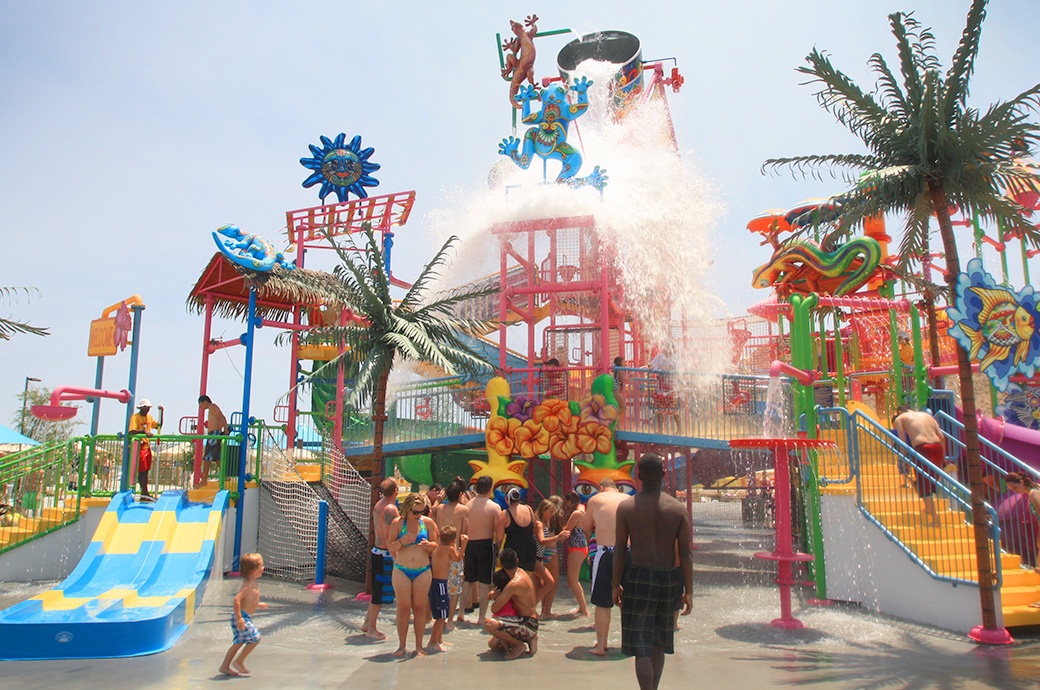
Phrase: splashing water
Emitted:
{"points": [[777, 423], [657, 211]]}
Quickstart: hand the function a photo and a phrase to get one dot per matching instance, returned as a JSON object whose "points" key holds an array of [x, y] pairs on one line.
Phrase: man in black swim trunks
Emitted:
{"points": [[479, 561], [658, 529]]}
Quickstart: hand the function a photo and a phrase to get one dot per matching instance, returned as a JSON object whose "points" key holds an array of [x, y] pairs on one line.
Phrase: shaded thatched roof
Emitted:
{"points": [[278, 291]]}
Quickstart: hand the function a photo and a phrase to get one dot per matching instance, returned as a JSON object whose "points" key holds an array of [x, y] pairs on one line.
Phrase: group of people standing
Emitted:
{"points": [[437, 561]]}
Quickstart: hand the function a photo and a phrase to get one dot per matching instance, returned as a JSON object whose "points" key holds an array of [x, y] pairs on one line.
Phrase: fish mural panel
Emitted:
{"points": [[996, 326], [1021, 407]]}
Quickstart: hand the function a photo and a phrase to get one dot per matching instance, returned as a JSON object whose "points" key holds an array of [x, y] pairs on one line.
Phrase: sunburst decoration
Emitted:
{"points": [[341, 168]]}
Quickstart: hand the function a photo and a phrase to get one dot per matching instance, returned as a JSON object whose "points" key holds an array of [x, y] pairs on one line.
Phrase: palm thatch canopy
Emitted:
{"points": [[228, 284]]}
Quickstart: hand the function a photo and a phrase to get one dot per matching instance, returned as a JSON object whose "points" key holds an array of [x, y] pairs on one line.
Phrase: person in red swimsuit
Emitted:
{"points": [[922, 432]]}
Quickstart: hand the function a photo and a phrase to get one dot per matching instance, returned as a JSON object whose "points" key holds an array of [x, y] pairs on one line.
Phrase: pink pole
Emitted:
{"points": [[784, 553], [784, 550]]}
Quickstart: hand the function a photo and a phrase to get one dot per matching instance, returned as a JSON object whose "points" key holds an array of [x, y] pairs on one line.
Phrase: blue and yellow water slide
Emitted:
{"points": [[134, 592]]}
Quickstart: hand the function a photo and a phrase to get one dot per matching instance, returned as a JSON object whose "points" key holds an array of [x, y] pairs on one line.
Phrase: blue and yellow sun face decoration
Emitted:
{"points": [[341, 168], [996, 326]]}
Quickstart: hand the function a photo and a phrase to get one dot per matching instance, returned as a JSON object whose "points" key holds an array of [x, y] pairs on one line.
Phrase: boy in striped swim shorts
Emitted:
{"points": [[247, 601]]}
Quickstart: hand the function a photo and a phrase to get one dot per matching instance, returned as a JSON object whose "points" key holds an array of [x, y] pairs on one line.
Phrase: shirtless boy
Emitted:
{"points": [[513, 632], [246, 602], [600, 516], [457, 515], [443, 558], [382, 565], [922, 432], [216, 425], [479, 563], [658, 527]]}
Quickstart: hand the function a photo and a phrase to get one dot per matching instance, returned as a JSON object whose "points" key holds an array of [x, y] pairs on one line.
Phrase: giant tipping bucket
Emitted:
{"points": [[616, 47]]}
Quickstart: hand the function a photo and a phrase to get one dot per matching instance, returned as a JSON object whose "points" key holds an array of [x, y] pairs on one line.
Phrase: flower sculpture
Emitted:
{"points": [[531, 438], [500, 434], [555, 415], [595, 408], [505, 472], [526, 427], [521, 407]]}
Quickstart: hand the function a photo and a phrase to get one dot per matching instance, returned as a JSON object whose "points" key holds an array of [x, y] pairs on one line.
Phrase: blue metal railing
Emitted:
{"points": [[1018, 526], [882, 465]]}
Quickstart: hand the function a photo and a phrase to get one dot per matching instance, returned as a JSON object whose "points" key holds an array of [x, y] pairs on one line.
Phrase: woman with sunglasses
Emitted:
{"points": [[414, 539]]}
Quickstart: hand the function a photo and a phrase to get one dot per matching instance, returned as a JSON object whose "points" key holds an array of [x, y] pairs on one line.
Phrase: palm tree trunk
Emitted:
{"points": [[980, 518], [378, 426]]}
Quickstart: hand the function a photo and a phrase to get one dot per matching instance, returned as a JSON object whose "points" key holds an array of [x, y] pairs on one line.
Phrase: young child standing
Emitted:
{"points": [[246, 602], [440, 564]]}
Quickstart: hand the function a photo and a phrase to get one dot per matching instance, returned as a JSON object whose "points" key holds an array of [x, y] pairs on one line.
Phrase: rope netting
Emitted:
{"points": [[288, 524]]}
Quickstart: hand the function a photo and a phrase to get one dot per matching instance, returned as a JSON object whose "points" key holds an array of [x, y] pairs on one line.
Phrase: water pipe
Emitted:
{"points": [[806, 378], [56, 412], [949, 370]]}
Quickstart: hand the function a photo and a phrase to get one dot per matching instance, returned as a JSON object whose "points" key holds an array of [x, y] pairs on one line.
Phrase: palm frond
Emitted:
{"points": [[429, 273], [914, 244], [810, 166], [840, 96], [963, 64], [10, 327], [904, 28], [892, 98]]}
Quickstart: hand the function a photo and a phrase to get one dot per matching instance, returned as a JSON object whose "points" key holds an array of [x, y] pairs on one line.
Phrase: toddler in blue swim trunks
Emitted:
{"points": [[247, 601]]}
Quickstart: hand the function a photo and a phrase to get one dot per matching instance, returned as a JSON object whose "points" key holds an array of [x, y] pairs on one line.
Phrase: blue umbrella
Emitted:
{"points": [[10, 436]]}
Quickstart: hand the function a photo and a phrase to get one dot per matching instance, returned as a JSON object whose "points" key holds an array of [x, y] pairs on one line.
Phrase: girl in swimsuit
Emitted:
{"points": [[577, 548], [547, 530], [416, 538], [1023, 483]]}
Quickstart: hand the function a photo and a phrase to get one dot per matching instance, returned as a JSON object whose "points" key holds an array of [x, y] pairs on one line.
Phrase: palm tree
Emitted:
{"points": [[419, 327], [927, 150], [9, 327]]}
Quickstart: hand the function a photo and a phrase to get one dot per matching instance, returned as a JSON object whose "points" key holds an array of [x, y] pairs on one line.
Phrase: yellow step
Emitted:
{"points": [[1021, 615], [1020, 577], [309, 473]]}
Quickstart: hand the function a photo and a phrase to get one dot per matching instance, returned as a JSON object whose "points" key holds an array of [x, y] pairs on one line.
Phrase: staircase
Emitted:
{"points": [[947, 550], [19, 528]]}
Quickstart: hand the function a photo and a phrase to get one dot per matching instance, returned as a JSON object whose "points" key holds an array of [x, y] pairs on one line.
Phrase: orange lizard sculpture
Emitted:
{"points": [[520, 61]]}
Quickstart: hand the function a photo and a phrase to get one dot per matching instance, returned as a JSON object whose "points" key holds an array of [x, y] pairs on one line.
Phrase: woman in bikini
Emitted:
{"points": [[577, 548], [415, 538]]}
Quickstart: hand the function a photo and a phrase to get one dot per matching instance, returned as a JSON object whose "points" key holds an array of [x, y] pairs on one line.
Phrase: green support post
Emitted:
{"points": [[897, 363], [921, 388], [805, 403], [839, 360]]}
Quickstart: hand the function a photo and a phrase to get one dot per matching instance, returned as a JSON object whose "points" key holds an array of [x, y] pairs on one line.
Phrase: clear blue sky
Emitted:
{"points": [[130, 130]]}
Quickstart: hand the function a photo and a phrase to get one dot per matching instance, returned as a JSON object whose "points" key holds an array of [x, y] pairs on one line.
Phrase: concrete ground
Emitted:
{"points": [[314, 641]]}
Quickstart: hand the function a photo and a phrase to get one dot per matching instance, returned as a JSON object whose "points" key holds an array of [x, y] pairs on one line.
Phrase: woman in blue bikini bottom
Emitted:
{"points": [[415, 538]]}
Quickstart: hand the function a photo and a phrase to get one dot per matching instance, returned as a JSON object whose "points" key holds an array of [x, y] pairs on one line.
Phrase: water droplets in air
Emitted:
{"points": [[777, 422]]}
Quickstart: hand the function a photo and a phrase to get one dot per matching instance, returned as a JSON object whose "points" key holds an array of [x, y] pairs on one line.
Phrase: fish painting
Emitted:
{"points": [[1004, 325], [995, 325]]}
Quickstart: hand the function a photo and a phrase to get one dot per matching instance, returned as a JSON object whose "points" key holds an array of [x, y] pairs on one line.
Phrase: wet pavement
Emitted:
{"points": [[315, 641]]}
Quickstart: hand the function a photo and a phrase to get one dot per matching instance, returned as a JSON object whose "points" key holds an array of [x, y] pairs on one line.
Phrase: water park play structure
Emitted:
{"points": [[822, 362]]}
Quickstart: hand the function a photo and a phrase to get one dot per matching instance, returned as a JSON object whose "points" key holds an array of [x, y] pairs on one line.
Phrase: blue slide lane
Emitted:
{"points": [[134, 592]]}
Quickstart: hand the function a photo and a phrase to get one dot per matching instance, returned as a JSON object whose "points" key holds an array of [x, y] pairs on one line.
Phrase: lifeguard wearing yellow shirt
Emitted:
{"points": [[144, 424]]}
